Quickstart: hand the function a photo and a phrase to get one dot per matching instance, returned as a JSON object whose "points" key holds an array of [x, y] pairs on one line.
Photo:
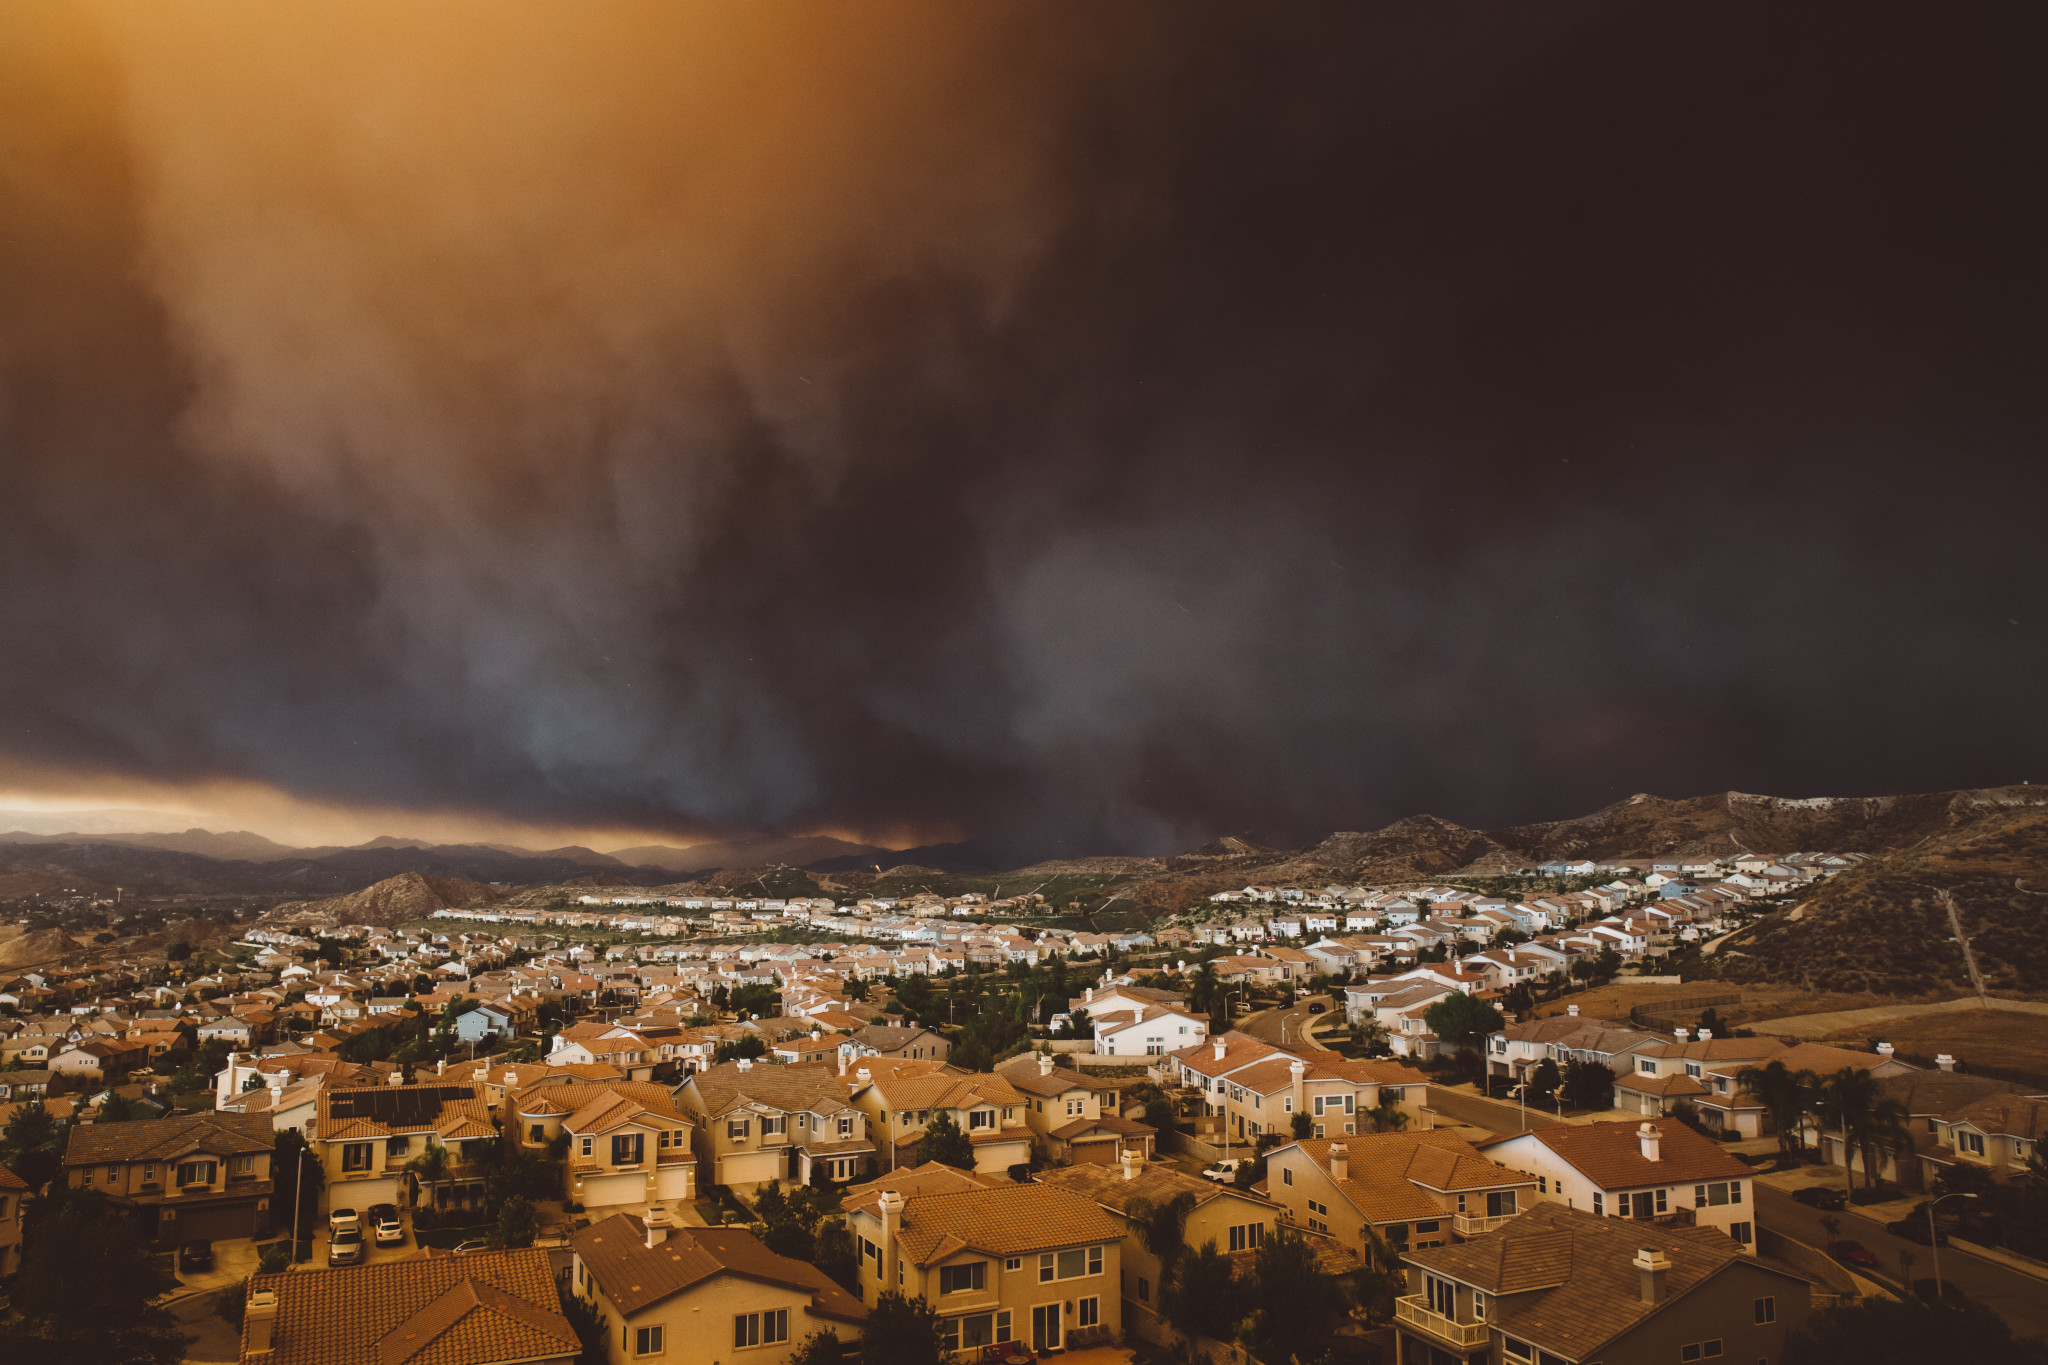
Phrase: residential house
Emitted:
{"points": [[1231, 1219], [900, 1103], [626, 1142], [13, 1195], [1032, 1263], [1148, 1031], [366, 1138], [1072, 1115], [1557, 1285], [1410, 1189], [1256, 1088], [892, 1040], [481, 1308], [194, 1177], [1999, 1134], [1658, 1171], [757, 1123]]}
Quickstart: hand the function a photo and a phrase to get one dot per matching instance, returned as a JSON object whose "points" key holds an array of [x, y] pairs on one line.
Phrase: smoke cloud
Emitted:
{"points": [[1080, 430]]}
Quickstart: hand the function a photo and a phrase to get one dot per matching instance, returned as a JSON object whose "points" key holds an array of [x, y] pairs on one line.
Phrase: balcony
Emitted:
{"points": [[1472, 1224], [1412, 1311]]}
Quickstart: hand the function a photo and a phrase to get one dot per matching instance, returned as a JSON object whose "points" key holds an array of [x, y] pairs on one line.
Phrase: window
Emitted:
{"points": [[760, 1329], [980, 1118], [114, 1173], [959, 1279], [1286, 1175], [1074, 1109], [148, 1172], [1646, 1066], [242, 1165], [1069, 1265], [1973, 1143], [355, 1156], [585, 1146], [736, 1130], [1479, 1304], [1701, 1350], [1420, 1228], [647, 1341], [1089, 1312], [1741, 1233], [1501, 1204], [1660, 1201], [1766, 1311], [1692, 1069], [1514, 1349], [201, 1172], [1144, 1290], [1247, 1237], [1600, 1204], [1441, 1295], [846, 1127], [537, 1133], [397, 1146], [773, 1126], [974, 1330], [628, 1149], [1014, 1263], [1716, 1194]]}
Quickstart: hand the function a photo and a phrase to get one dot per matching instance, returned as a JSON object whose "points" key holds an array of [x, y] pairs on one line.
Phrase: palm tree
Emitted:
{"points": [[1885, 1134], [1788, 1097], [1387, 1117], [1161, 1227], [430, 1167], [1850, 1101]]}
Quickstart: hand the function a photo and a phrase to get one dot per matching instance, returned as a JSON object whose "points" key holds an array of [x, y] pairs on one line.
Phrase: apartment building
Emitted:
{"points": [[1408, 1189], [757, 1123], [195, 1177], [1657, 1171], [1031, 1263], [1558, 1284]]}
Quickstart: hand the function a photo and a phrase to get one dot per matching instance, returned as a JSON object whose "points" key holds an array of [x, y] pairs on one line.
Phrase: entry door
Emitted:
{"points": [[1045, 1327], [1646, 1207]]}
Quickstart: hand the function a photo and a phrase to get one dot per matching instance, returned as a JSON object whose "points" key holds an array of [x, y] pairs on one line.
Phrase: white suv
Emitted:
{"points": [[344, 1220]]}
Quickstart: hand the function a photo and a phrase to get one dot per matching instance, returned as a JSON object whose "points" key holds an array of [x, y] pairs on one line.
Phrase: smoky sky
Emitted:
{"points": [[1077, 428]]}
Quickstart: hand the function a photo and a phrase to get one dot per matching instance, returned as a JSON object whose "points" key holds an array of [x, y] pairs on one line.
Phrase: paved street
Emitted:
{"points": [[2021, 1299], [1496, 1116], [1288, 1028]]}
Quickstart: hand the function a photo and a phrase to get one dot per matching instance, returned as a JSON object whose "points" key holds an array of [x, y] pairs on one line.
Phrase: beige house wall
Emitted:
{"points": [[697, 1324]]}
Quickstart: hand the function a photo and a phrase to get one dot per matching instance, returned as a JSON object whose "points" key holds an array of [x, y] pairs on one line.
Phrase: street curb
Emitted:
{"points": [[1995, 1255]]}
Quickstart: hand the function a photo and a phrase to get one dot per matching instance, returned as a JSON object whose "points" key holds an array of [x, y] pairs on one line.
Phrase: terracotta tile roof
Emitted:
{"points": [[1566, 1280], [805, 1086], [1107, 1123], [10, 1181], [930, 1178], [1659, 1085], [1007, 1220], [1611, 1156], [601, 1106], [961, 1090], [634, 1275], [494, 1306], [2012, 1115], [1159, 1183], [167, 1139], [1390, 1176]]}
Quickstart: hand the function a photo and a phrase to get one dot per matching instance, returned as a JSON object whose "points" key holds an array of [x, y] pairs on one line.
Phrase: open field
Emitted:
{"points": [[1759, 1000], [2006, 1039]]}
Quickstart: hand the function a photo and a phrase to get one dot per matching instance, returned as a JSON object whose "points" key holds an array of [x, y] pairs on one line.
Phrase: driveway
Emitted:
{"points": [[2020, 1299], [208, 1339]]}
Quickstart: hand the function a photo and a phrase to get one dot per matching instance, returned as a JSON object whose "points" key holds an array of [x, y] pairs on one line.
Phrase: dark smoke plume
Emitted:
{"points": [[1082, 428]]}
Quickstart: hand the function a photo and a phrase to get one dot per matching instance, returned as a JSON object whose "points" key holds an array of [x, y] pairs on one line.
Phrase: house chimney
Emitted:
{"points": [[1572, 1010], [1885, 1050], [1131, 1162], [1340, 1161], [395, 1078], [1089, 994], [1706, 1035], [864, 1076], [260, 1315], [891, 1207], [657, 1225], [1945, 1062], [1045, 1064], [1651, 1139], [1221, 1048], [511, 1076], [1683, 1034], [1653, 1266], [746, 1064]]}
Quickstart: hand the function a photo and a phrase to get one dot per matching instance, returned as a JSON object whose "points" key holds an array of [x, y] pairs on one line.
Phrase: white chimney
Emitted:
{"points": [[1653, 1266], [891, 1207], [746, 1063], [1884, 1050], [1650, 1139], [1089, 994], [1683, 1034], [260, 1318], [1340, 1161], [511, 1076], [864, 1076], [1131, 1162], [1572, 1010], [1045, 1064], [1945, 1062], [395, 1078], [1706, 1035], [657, 1225], [1220, 1049]]}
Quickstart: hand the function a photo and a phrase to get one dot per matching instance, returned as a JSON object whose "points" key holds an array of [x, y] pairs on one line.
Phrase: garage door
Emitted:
{"points": [[1102, 1151], [213, 1223]]}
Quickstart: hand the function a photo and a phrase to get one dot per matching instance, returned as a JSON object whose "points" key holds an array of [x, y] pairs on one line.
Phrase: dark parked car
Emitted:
{"points": [[1854, 1253], [195, 1256], [1913, 1227], [1821, 1197], [1316, 1007]]}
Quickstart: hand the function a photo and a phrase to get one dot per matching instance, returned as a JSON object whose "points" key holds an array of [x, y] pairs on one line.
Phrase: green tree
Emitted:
{"points": [[944, 1142], [295, 1173], [1787, 1097], [1302, 1125], [1880, 1331], [1300, 1305], [901, 1331], [1387, 1116], [742, 1049], [1161, 1227], [32, 1144], [430, 1168], [1588, 1085], [517, 1224], [85, 1286], [178, 951], [1854, 1105], [821, 1347], [833, 1252], [1462, 1020], [1545, 1080], [1203, 1297]]}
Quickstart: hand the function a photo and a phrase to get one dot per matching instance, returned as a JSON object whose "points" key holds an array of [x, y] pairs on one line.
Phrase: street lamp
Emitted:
{"points": [[1521, 1093], [1934, 1240]]}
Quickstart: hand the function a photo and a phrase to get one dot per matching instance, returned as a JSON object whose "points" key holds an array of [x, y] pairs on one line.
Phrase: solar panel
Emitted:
{"points": [[393, 1106]]}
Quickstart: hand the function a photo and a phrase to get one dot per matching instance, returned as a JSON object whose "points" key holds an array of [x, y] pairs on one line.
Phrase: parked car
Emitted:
{"points": [[345, 1247], [195, 1256], [1821, 1197], [1913, 1227], [344, 1218], [1316, 1007], [1854, 1253], [475, 1244], [1223, 1172], [385, 1225]]}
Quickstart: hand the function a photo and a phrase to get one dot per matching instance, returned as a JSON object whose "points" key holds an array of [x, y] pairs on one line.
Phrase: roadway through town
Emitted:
{"points": [[2019, 1298], [1288, 1027]]}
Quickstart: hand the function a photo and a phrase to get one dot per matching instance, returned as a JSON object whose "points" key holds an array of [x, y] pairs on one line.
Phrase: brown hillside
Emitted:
{"points": [[410, 895], [1644, 825], [1883, 926]]}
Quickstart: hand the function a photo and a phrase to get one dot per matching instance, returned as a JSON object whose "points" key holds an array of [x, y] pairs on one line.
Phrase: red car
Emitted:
{"points": [[1854, 1253]]}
